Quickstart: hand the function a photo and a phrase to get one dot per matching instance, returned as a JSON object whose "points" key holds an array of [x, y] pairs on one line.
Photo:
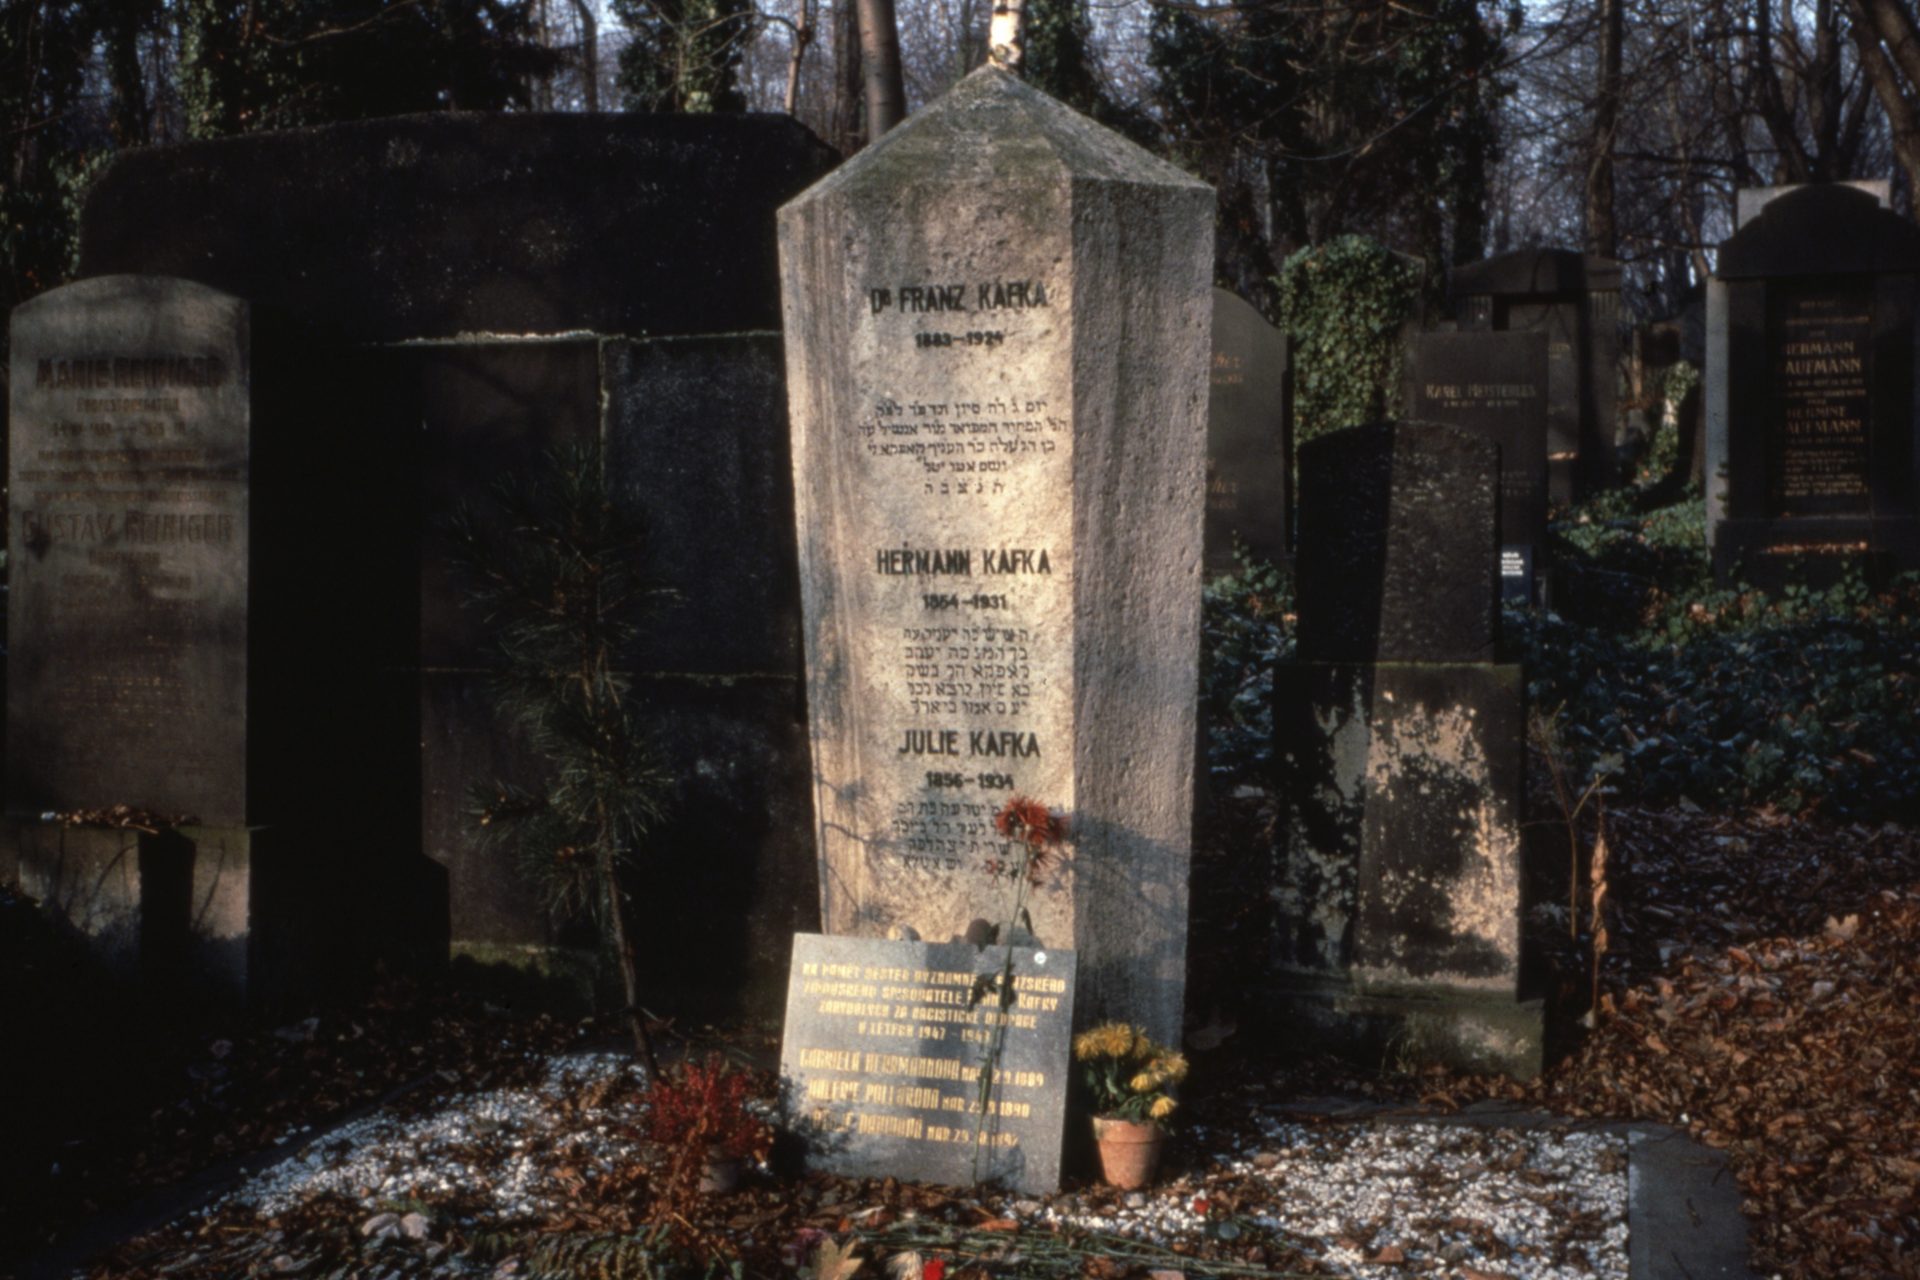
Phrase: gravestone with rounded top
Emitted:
{"points": [[1249, 438], [997, 324]]}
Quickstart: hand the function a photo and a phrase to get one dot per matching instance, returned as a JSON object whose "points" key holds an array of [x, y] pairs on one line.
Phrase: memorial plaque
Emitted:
{"points": [[1494, 384], [881, 1060], [1249, 435], [1822, 366], [128, 545], [997, 382]]}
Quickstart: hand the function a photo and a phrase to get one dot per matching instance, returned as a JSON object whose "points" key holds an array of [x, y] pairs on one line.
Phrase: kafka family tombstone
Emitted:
{"points": [[1811, 391], [1400, 760], [1574, 299], [997, 323], [883, 1052], [1494, 384], [1249, 437]]}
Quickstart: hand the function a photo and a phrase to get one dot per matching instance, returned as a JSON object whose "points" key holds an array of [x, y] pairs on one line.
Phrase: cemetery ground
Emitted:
{"points": [[1757, 968]]}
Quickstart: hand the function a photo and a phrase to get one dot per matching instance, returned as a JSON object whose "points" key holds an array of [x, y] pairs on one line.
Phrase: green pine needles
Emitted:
{"points": [[554, 577]]}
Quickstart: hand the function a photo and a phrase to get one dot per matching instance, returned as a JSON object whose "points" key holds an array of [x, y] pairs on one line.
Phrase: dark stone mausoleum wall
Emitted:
{"points": [[506, 283]]}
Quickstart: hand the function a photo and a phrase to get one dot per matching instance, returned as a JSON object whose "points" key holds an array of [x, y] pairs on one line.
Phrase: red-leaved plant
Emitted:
{"points": [[702, 1108]]}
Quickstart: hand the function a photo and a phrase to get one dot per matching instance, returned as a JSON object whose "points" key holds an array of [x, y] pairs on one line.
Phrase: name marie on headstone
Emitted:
{"points": [[882, 1055], [997, 324], [127, 626], [1249, 437], [1494, 384], [1810, 390]]}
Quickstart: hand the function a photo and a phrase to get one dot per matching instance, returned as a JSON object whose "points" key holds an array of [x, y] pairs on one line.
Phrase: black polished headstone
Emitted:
{"points": [[128, 544], [882, 1052], [1574, 299], [1249, 437], [1494, 384], [1819, 390], [1397, 545]]}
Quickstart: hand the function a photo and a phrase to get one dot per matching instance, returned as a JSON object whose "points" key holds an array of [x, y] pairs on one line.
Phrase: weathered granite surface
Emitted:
{"points": [[997, 324]]}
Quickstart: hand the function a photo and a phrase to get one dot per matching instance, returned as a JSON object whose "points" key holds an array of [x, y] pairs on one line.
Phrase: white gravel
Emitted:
{"points": [[1375, 1201], [500, 1147]]}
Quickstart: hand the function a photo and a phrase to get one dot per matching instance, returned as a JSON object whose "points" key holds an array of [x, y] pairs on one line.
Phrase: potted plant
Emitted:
{"points": [[1127, 1077], [698, 1114]]}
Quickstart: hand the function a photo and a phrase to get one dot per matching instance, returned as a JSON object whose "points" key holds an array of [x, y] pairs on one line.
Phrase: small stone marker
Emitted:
{"points": [[1813, 459], [882, 1053], [1249, 437], [128, 544], [1495, 384], [997, 324]]}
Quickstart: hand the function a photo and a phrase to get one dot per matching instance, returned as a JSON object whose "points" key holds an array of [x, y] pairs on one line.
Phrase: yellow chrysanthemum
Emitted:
{"points": [[1162, 1107], [1145, 1082], [1171, 1068], [1109, 1040]]}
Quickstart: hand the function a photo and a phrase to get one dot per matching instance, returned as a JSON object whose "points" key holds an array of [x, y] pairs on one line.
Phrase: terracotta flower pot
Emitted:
{"points": [[1129, 1150]]}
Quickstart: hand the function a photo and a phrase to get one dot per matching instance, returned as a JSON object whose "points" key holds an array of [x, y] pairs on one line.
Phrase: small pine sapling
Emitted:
{"points": [[554, 576]]}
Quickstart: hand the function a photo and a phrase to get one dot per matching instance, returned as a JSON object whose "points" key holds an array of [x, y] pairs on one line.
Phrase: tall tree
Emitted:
{"points": [[1603, 234], [683, 55]]}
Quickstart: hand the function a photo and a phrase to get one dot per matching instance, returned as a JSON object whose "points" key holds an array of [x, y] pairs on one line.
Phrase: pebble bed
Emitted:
{"points": [[1368, 1200]]}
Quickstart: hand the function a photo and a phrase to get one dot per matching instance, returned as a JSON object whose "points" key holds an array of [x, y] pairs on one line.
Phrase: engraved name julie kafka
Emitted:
{"points": [[128, 547], [882, 1054]]}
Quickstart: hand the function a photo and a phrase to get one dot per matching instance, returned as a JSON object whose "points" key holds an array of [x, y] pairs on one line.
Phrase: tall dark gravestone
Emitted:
{"points": [[997, 323], [1249, 437], [1400, 746], [1574, 299], [1494, 384], [1812, 398], [493, 287]]}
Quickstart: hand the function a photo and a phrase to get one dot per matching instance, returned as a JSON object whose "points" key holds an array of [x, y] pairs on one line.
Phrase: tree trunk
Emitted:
{"points": [[1902, 119], [846, 122], [1603, 233], [886, 91], [589, 53]]}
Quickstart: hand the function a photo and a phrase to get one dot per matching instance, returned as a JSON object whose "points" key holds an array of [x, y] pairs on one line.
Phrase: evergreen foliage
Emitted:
{"points": [[555, 578], [1376, 119], [1343, 304], [684, 55]]}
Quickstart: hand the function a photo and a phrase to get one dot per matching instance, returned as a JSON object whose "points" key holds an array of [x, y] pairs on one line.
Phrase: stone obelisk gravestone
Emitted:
{"points": [[128, 620], [1495, 384], [1400, 759], [997, 323], [1813, 461], [1249, 437]]}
